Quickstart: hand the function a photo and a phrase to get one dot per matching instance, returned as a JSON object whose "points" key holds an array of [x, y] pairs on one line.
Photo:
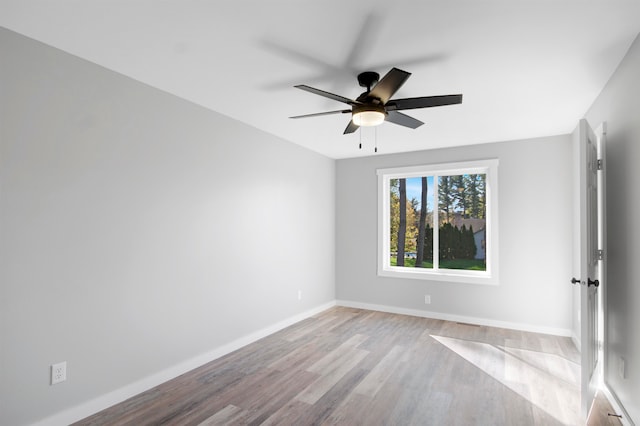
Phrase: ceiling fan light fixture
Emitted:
{"points": [[370, 108], [368, 115]]}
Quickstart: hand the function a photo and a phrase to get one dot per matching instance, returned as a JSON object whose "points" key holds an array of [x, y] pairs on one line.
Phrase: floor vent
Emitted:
{"points": [[470, 325]]}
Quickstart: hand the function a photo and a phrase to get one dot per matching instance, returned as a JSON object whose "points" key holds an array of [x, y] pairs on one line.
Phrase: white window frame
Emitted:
{"points": [[488, 167]]}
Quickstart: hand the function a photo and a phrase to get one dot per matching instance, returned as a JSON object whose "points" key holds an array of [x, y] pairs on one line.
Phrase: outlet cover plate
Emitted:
{"points": [[58, 372]]}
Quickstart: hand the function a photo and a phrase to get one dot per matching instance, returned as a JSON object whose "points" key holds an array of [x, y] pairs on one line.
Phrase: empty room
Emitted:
{"points": [[306, 213]]}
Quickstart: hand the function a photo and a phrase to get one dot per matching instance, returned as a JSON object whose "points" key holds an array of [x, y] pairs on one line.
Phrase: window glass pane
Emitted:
{"points": [[462, 222], [411, 222]]}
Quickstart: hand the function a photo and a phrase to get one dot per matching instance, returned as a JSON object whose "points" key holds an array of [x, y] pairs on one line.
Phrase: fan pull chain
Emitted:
{"points": [[376, 138]]}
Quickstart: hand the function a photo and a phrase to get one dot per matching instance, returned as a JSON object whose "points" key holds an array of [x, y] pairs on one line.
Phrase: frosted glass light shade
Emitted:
{"points": [[368, 115], [368, 118]]}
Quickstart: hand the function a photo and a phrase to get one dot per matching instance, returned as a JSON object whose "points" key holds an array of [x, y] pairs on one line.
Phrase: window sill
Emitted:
{"points": [[464, 277]]}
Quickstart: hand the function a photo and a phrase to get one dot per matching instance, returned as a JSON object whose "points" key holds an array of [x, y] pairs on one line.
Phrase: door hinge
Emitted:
{"points": [[600, 164], [600, 254]]}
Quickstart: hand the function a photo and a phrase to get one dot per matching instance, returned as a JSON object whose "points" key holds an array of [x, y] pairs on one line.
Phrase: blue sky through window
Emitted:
{"points": [[414, 190]]}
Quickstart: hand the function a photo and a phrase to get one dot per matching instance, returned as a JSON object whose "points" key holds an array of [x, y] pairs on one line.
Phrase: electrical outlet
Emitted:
{"points": [[427, 299], [299, 294], [622, 368], [58, 372]]}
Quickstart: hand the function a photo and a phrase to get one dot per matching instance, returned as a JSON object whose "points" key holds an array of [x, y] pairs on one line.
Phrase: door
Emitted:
{"points": [[587, 261]]}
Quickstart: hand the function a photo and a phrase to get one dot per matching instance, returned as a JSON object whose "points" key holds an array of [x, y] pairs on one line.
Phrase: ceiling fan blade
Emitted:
{"points": [[363, 42], [326, 94], [423, 102], [389, 84], [317, 114], [351, 127], [396, 117]]}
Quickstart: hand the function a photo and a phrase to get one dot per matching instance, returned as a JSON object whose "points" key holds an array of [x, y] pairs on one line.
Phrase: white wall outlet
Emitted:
{"points": [[58, 372], [427, 299], [622, 368], [299, 294]]}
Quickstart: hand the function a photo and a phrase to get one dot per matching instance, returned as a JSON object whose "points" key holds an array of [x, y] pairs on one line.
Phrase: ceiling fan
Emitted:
{"points": [[375, 105]]}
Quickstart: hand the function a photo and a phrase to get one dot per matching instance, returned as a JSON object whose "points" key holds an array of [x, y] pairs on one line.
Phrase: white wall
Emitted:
{"points": [[535, 225], [619, 106], [138, 231]]}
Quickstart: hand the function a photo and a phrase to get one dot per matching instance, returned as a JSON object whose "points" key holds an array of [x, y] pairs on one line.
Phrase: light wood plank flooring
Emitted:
{"points": [[357, 367], [602, 413]]}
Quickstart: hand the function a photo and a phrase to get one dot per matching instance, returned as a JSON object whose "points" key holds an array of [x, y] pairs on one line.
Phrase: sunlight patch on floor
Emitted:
{"points": [[548, 381]]}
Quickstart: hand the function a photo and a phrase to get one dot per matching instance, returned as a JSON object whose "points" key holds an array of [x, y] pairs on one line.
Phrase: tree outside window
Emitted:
{"points": [[461, 201]]}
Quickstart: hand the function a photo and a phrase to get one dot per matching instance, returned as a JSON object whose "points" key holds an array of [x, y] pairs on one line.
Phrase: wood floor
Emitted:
{"points": [[357, 367], [602, 413]]}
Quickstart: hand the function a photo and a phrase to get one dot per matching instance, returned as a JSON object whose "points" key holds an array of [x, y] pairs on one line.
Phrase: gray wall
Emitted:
{"points": [[619, 106], [139, 230], [535, 216]]}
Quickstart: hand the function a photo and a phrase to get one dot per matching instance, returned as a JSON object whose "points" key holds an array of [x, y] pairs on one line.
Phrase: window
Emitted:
{"points": [[439, 222]]}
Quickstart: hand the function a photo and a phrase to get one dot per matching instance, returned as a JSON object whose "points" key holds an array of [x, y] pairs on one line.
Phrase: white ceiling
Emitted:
{"points": [[526, 68]]}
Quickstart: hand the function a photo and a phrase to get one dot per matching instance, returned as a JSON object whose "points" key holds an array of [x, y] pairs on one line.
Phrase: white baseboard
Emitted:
{"points": [[617, 407], [458, 318], [86, 409]]}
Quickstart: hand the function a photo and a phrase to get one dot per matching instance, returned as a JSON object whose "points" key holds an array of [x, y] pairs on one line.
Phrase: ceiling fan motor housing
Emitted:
{"points": [[368, 79]]}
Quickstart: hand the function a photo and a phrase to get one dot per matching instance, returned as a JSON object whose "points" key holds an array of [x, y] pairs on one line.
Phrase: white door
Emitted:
{"points": [[588, 261]]}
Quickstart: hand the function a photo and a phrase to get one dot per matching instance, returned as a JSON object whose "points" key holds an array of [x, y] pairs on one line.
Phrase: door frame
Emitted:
{"points": [[601, 135]]}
